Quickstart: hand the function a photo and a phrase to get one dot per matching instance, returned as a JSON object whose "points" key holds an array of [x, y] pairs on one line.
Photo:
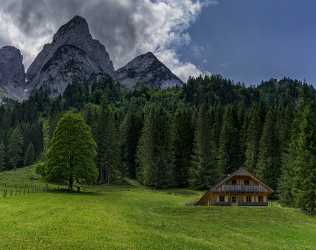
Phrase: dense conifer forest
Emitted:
{"points": [[180, 137]]}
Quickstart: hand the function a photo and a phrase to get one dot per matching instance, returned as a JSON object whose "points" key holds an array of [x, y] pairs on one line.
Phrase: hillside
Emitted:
{"points": [[125, 217]]}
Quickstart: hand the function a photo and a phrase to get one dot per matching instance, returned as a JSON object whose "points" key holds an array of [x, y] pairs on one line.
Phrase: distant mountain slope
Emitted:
{"points": [[147, 69]]}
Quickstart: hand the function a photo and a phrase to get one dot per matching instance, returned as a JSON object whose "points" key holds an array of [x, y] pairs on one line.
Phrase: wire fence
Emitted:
{"points": [[7, 190]]}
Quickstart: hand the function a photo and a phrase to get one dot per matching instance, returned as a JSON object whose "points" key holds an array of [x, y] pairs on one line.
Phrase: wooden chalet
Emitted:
{"points": [[240, 188]]}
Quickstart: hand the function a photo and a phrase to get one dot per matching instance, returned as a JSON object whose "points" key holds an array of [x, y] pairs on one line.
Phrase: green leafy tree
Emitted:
{"points": [[29, 157], [72, 151]]}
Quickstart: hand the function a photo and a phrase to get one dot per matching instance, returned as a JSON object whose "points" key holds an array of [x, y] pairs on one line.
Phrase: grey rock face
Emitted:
{"points": [[68, 65], [12, 74], [147, 69], [72, 56]]}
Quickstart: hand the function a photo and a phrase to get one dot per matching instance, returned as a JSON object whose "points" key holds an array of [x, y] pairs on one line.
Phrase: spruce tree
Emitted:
{"points": [[183, 144], [269, 161], [2, 157], [298, 183], [204, 171], [15, 148], [253, 138], [130, 131], [155, 152], [290, 163], [72, 151], [29, 157], [108, 151], [229, 154]]}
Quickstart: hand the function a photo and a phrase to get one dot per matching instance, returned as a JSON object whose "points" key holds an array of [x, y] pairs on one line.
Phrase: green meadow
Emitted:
{"points": [[133, 217]]}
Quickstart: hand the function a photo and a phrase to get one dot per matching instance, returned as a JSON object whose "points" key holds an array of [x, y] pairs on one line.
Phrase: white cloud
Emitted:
{"points": [[127, 28]]}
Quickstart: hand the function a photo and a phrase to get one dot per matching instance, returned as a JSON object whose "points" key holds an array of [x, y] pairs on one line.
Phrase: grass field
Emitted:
{"points": [[126, 217]]}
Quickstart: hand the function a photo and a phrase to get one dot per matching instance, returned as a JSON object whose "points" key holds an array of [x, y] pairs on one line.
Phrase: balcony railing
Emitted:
{"points": [[241, 188], [241, 203]]}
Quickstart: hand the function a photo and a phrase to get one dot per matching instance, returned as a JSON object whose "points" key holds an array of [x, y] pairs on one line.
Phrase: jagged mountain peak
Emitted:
{"points": [[77, 26], [83, 55], [147, 69]]}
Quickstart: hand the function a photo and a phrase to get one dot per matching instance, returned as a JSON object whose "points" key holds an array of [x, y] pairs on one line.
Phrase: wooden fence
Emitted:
{"points": [[19, 190]]}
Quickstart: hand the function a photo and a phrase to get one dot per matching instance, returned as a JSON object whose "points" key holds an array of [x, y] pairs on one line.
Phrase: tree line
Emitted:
{"points": [[181, 137]]}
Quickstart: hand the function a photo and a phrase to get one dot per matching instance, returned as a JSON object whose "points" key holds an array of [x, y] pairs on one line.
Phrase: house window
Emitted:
{"points": [[248, 198], [260, 199], [234, 182], [222, 198], [246, 182], [234, 199]]}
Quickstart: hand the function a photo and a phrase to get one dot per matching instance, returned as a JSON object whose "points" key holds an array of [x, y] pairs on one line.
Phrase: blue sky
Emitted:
{"points": [[254, 40]]}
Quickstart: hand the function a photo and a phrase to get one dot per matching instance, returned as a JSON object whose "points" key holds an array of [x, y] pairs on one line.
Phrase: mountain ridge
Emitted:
{"points": [[73, 56]]}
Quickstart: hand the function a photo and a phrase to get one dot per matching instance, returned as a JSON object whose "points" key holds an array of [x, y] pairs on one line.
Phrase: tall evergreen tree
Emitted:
{"points": [[183, 142], [269, 160], [229, 155], [204, 171], [29, 157], [130, 131], [15, 148], [155, 153], [2, 157], [72, 151], [298, 182], [253, 138], [108, 153]]}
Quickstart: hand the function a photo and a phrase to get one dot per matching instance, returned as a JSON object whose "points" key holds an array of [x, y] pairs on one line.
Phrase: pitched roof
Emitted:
{"points": [[240, 172]]}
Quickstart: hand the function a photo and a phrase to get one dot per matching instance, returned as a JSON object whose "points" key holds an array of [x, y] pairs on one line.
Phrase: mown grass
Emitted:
{"points": [[126, 217]]}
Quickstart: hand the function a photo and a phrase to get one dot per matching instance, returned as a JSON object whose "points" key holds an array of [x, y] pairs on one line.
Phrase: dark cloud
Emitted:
{"points": [[126, 27]]}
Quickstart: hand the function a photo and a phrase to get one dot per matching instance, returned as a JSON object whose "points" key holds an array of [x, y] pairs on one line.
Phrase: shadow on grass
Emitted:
{"points": [[81, 193]]}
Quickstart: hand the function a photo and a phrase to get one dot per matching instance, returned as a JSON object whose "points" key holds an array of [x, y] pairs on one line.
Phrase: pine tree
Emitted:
{"points": [[183, 142], [298, 182], [155, 153], [269, 161], [29, 157], [130, 131], [229, 155], [290, 164], [204, 171], [15, 148], [71, 154], [108, 151], [253, 138], [2, 157]]}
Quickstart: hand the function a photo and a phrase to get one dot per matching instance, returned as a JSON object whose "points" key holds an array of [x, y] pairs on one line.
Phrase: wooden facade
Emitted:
{"points": [[240, 188]]}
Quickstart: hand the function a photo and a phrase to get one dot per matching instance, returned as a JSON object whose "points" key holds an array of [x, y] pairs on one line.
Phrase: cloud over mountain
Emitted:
{"points": [[127, 28]]}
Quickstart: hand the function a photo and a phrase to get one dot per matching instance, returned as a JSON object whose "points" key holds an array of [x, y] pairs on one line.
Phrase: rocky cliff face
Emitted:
{"points": [[148, 70], [72, 56], [12, 76]]}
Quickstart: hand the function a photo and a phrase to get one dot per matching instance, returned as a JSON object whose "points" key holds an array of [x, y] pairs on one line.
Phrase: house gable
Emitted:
{"points": [[240, 188]]}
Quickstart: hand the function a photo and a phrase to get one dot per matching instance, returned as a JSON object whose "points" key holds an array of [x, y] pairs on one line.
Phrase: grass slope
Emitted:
{"points": [[141, 219]]}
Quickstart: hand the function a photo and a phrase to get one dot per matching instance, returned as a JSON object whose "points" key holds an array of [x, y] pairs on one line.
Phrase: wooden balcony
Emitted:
{"points": [[246, 204], [241, 189]]}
